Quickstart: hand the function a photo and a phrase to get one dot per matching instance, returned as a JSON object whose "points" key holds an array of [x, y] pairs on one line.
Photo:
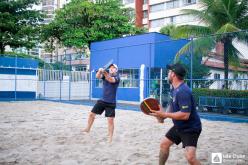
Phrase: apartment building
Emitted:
{"points": [[154, 14], [49, 7]]}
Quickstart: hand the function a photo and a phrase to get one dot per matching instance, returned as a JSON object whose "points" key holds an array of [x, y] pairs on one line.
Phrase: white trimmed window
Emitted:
{"points": [[158, 7], [157, 23]]}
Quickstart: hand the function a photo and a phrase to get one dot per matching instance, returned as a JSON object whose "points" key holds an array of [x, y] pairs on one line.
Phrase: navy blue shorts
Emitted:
{"points": [[101, 106]]}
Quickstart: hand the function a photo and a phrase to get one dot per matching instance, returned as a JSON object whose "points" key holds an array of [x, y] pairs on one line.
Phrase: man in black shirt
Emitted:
{"points": [[187, 124], [108, 101]]}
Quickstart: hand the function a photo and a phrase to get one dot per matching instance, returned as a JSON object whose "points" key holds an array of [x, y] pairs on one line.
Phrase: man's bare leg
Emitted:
{"points": [[190, 154], [110, 128], [90, 122], [164, 150]]}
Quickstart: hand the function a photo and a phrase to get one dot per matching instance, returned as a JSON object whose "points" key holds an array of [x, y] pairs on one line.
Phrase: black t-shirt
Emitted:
{"points": [[110, 89], [182, 100]]}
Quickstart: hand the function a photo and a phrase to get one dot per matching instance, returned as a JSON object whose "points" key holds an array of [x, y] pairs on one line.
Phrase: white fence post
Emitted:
{"points": [[142, 81]]}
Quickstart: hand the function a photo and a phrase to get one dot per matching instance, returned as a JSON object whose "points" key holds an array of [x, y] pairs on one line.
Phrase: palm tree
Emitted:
{"points": [[168, 29], [222, 18]]}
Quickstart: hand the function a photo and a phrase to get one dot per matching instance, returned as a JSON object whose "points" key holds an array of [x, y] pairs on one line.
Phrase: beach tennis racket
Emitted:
{"points": [[107, 65], [149, 104]]}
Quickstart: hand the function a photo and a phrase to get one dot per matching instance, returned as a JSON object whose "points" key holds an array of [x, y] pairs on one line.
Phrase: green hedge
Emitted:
{"points": [[219, 93]]}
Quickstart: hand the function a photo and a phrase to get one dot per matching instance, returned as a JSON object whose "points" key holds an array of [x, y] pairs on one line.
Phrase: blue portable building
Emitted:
{"points": [[137, 57]]}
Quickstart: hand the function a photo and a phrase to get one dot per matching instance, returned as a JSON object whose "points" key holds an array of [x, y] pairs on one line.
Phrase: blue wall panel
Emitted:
{"points": [[7, 71], [18, 71], [128, 52], [134, 56], [158, 37], [100, 58], [19, 95], [21, 62], [165, 52], [97, 92], [125, 41], [7, 61], [128, 94]]}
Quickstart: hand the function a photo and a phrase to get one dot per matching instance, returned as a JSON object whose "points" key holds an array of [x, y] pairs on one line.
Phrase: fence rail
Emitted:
{"points": [[44, 84]]}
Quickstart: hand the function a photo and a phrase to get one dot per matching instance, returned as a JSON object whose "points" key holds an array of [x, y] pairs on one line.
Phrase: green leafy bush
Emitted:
{"points": [[219, 93]]}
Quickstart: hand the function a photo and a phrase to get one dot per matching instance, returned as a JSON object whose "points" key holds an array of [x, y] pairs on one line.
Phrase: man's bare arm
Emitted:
{"points": [[99, 73], [108, 77], [176, 116]]}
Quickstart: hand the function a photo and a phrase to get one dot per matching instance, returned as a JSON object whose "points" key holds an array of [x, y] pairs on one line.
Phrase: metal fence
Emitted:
{"points": [[210, 64], [63, 85], [44, 84]]}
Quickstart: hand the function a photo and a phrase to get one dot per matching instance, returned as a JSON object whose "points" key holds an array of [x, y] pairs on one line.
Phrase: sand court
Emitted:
{"points": [[44, 132]]}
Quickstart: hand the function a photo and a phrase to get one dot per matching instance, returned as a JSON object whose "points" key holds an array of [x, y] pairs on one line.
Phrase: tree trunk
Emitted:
{"points": [[227, 43], [2, 48]]}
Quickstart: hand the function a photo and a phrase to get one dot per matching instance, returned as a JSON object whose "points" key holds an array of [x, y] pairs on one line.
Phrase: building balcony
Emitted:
{"points": [[153, 2]]}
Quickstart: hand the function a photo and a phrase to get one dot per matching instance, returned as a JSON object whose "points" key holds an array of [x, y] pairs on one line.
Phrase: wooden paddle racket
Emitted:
{"points": [[149, 104]]}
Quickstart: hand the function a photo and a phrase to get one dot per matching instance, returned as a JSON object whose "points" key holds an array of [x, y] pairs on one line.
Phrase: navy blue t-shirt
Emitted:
{"points": [[110, 89], [182, 100]]}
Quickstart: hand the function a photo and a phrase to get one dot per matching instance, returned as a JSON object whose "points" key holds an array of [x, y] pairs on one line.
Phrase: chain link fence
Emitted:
{"points": [[217, 71]]}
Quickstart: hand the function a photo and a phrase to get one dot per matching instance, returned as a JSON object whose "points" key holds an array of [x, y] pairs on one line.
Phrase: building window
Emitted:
{"points": [[157, 23], [171, 20], [155, 75], [189, 2], [179, 19], [172, 4], [47, 2], [128, 1], [129, 79], [217, 76], [158, 7], [167, 20], [145, 14], [145, 2]]}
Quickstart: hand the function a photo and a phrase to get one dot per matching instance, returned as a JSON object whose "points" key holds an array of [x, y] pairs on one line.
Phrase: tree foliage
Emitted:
{"points": [[201, 71], [224, 19], [19, 23], [81, 22], [168, 29]]}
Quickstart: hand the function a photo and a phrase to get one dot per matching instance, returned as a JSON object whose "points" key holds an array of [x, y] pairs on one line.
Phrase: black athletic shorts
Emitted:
{"points": [[187, 138], [100, 106]]}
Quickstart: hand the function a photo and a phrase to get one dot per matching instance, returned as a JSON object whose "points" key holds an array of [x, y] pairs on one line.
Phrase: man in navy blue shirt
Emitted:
{"points": [[108, 101], [182, 110]]}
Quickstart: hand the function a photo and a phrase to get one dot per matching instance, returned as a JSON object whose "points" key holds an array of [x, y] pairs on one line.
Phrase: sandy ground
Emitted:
{"points": [[42, 132]]}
